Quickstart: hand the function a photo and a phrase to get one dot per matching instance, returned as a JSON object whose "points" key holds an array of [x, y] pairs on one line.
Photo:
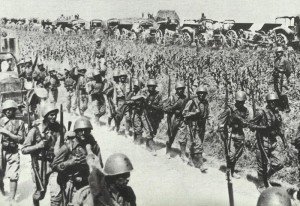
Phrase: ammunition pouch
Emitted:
{"points": [[9, 145]]}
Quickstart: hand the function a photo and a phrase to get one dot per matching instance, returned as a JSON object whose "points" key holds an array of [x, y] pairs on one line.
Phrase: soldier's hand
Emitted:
{"points": [[42, 144]]}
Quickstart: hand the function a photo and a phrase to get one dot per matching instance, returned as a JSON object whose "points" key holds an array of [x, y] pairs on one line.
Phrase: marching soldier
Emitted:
{"points": [[282, 67], [268, 125], [52, 83], [70, 162], [99, 54], [196, 113], [43, 143], [81, 89], [121, 92], [175, 119], [11, 134], [110, 95], [70, 85], [110, 186], [95, 89], [39, 75], [235, 118]]}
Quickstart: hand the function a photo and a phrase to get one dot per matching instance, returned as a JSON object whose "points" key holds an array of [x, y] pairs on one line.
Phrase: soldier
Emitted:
{"points": [[175, 119], [95, 89], [39, 75], [281, 67], [268, 125], [110, 95], [36, 100], [274, 196], [82, 93], [43, 143], [52, 83], [110, 186], [121, 92], [236, 119], [28, 69], [70, 162], [154, 110], [196, 113], [99, 54], [12, 134], [70, 85]]}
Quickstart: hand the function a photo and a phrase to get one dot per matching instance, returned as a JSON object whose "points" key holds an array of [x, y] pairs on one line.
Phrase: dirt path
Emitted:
{"points": [[156, 180]]}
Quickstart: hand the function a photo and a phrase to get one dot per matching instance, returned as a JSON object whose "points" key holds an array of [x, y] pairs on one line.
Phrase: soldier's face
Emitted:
{"points": [[201, 95], [82, 134], [136, 88], [151, 88], [10, 113], [239, 104], [272, 104], [122, 180], [180, 91], [123, 79], [51, 117]]}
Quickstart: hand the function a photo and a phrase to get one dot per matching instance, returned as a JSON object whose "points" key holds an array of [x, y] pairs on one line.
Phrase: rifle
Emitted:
{"points": [[61, 131], [169, 86], [39, 181], [227, 143]]}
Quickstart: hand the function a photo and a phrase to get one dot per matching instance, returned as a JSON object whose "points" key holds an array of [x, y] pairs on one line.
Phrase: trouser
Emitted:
{"points": [[141, 124], [56, 196], [123, 110], [268, 160], [83, 103], [71, 100], [236, 151], [154, 121], [176, 127], [53, 95], [70, 190], [99, 106], [112, 110], [195, 137]]}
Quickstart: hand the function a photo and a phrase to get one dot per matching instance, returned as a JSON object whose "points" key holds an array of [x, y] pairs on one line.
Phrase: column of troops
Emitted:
{"points": [[68, 162]]}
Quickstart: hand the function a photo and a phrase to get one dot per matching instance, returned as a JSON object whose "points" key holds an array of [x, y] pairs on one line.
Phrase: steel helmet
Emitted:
{"points": [[136, 82], [82, 123], [274, 196], [152, 82], [96, 72], [240, 96], [179, 85], [272, 96], [21, 62], [49, 108], [202, 89], [98, 40], [9, 104], [279, 49], [117, 164], [116, 73], [122, 73], [41, 93]]}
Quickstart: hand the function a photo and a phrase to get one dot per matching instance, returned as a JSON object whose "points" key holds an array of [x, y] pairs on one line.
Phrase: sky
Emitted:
{"points": [[255, 11]]}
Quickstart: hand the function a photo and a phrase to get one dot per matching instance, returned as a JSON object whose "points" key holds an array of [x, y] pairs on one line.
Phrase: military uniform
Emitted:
{"points": [[9, 154], [39, 77], [269, 125], [175, 119], [52, 83], [70, 85], [109, 91], [83, 95], [236, 119], [73, 177], [42, 157]]}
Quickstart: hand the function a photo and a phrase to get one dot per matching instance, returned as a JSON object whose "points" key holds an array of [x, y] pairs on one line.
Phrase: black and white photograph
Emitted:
{"points": [[150, 103]]}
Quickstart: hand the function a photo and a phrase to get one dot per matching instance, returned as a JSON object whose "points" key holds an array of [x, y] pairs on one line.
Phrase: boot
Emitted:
{"points": [[182, 153], [233, 174], [261, 183], [13, 189], [150, 146], [138, 139], [198, 162], [168, 150]]}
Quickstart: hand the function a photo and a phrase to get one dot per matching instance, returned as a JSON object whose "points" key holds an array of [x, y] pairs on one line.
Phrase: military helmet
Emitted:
{"points": [[202, 89], [122, 73], [41, 92], [98, 40], [117, 164], [49, 108], [151, 82], [136, 82], [274, 196], [21, 62], [279, 49], [116, 73], [272, 96], [82, 123], [96, 72], [9, 104], [179, 85], [240, 96]]}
